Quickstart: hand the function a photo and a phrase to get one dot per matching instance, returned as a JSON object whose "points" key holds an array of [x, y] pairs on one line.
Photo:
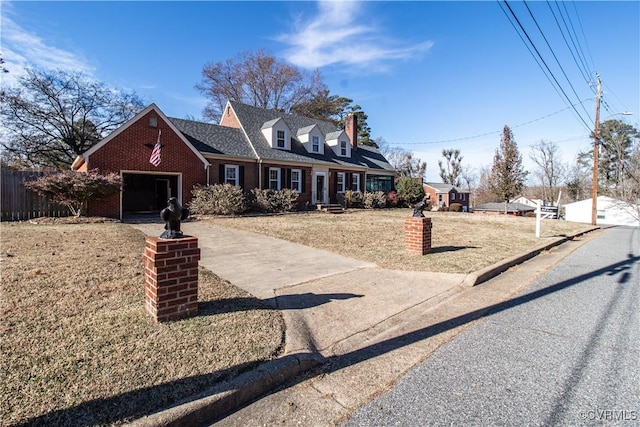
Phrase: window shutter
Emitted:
{"points": [[303, 178], [334, 184], [285, 178], [241, 177], [265, 180], [221, 175], [347, 178]]}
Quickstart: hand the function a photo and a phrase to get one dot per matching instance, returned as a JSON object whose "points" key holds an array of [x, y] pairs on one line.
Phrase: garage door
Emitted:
{"points": [[147, 193]]}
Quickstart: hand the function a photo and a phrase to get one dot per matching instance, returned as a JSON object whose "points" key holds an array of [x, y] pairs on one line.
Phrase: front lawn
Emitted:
{"points": [[78, 347], [462, 242]]}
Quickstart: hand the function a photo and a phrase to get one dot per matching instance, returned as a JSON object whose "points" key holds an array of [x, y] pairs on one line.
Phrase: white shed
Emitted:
{"points": [[609, 212]]}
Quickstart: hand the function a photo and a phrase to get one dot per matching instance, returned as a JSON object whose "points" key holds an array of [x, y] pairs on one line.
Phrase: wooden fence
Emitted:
{"points": [[19, 203]]}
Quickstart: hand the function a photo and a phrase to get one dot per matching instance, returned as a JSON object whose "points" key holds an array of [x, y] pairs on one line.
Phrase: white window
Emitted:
{"points": [[355, 182], [315, 144], [274, 179], [341, 182], [296, 180], [231, 174], [280, 139], [343, 148]]}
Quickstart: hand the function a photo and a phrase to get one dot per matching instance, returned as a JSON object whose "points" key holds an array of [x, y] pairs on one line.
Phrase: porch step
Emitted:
{"points": [[332, 208]]}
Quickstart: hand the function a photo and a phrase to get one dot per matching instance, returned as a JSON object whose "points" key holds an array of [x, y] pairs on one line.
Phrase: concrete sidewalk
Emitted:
{"points": [[332, 306]]}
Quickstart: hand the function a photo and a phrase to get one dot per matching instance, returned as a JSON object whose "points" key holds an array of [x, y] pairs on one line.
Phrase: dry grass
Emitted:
{"points": [[78, 347], [461, 243]]}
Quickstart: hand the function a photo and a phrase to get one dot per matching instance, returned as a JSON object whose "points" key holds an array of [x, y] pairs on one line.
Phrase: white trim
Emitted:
{"points": [[152, 107], [314, 189], [299, 187], [314, 142], [358, 182], [279, 179], [237, 169], [134, 172], [344, 184]]}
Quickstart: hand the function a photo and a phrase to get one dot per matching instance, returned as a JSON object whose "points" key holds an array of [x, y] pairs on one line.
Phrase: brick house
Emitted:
{"points": [[250, 148], [445, 194]]}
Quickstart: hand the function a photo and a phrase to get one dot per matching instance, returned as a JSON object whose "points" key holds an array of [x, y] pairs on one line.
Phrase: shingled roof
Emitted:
{"points": [[443, 188], [253, 119], [215, 139], [499, 207]]}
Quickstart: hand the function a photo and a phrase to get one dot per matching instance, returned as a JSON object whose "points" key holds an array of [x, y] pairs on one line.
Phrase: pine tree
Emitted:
{"points": [[507, 174]]}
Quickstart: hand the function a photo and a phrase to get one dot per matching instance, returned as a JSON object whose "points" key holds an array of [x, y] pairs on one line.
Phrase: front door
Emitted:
{"points": [[321, 188]]}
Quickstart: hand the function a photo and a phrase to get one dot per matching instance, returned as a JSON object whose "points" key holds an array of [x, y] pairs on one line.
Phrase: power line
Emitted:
{"points": [[489, 133], [582, 31], [535, 58], [539, 55], [581, 68], [535, 21]]}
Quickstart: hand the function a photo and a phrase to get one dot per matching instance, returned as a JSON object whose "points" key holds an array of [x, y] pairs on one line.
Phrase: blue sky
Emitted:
{"points": [[429, 74]]}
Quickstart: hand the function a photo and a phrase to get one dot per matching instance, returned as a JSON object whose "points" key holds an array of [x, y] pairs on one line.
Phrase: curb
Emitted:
{"points": [[231, 395], [484, 274]]}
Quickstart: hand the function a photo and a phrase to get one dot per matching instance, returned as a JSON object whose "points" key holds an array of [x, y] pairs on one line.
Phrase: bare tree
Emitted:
{"points": [[507, 174], [484, 192], [627, 192], [403, 161], [578, 180], [468, 177], [451, 170], [257, 79], [551, 171], [51, 117]]}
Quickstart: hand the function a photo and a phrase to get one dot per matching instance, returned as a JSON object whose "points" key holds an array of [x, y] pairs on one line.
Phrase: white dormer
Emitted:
{"points": [[277, 133], [339, 143], [312, 139]]}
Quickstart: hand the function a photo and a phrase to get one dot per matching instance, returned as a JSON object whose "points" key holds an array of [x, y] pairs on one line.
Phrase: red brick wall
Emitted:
{"points": [[446, 197], [304, 197], [171, 277], [351, 129], [127, 151], [250, 172], [417, 235], [229, 118]]}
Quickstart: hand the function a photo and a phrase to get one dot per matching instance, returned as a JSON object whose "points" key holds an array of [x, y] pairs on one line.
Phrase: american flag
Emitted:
{"points": [[155, 154]]}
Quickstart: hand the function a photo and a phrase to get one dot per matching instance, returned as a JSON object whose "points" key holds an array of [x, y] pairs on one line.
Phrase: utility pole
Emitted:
{"points": [[596, 143]]}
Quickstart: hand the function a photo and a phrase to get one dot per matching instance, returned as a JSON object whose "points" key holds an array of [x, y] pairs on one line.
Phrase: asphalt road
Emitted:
{"points": [[566, 351]]}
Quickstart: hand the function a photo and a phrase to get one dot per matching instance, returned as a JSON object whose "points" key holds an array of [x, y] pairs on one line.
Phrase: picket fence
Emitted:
{"points": [[19, 203]]}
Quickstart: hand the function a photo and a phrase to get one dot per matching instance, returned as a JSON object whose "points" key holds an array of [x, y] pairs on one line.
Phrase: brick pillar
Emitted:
{"points": [[417, 235], [171, 277]]}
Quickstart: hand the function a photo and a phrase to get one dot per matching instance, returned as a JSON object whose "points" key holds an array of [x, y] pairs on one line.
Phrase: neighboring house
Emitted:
{"points": [[445, 194], [609, 211], [250, 148], [526, 201], [516, 209], [547, 211]]}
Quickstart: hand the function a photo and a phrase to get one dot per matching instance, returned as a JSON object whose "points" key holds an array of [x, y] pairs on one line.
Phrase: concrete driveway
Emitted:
{"points": [[330, 303]]}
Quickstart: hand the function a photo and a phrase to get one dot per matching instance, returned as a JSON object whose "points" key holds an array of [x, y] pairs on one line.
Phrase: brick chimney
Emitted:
{"points": [[351, 129]]}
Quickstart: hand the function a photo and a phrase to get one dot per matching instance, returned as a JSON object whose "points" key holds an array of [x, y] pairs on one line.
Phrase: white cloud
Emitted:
{"points": [[337, 35], [22, 48]]}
